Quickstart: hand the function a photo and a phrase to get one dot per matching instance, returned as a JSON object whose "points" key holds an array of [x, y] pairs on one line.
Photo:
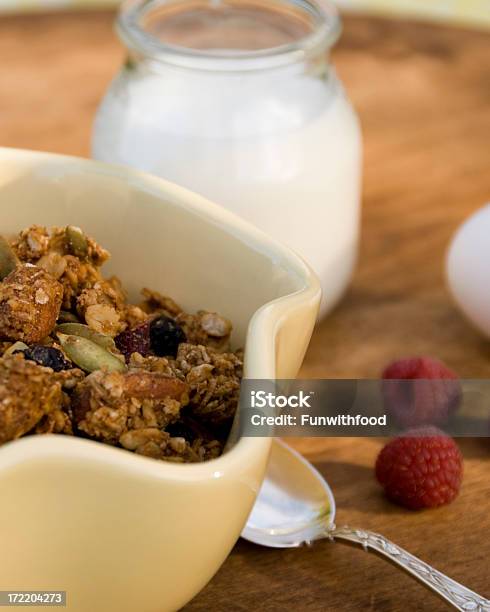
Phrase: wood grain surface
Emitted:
{"points": [[423, 94]]}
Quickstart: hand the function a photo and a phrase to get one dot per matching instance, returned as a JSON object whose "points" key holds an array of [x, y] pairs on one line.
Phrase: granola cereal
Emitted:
{"points": [[213, 379], [28, 392], [56, 251], [77, 358], [108, 404], [155, 302], [30, 301], [206, 328], [103, 307]]}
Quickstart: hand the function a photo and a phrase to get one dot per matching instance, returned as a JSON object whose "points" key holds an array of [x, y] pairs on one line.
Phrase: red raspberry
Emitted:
{"points": [[429, 402], [421, 469]]}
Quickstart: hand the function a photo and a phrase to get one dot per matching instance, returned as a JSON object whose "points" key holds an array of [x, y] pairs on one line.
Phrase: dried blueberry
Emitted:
{"points": [[135, 340], [165, 336], [48, 357]]}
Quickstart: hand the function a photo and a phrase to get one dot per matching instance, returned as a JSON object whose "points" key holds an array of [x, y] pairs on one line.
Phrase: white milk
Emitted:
{"points": [[282, 150]]}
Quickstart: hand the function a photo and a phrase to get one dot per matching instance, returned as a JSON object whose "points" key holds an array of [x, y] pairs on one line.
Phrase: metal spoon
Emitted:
{"points": [[295, 506]]}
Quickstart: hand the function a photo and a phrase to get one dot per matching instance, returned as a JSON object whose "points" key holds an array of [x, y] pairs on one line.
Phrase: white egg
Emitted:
{"points": [[468, 268]]}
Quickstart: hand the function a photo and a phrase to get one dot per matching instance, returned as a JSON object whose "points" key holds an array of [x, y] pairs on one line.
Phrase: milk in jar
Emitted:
{"points": [[238, 102]]}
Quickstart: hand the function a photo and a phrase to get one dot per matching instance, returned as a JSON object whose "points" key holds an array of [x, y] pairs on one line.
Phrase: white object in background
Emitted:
{"points": [[468, 268], [250, 114]]}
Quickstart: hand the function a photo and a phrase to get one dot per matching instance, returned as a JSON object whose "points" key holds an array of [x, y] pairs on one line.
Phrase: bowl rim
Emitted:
{"points": [[262, 326]]}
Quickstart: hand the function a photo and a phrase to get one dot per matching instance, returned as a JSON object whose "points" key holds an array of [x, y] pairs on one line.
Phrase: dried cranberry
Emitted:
{"points": [[135, 340], [47, 356], [165, 336]]}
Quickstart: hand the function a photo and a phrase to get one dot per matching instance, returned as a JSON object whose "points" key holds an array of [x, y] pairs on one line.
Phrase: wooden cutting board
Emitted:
{"points": [[423, 94]]}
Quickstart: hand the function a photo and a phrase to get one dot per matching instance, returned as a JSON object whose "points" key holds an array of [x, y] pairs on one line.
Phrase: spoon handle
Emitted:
{"points": [[454, 593]]}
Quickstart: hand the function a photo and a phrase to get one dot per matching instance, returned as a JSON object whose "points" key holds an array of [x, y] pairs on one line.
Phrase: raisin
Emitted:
{"points": [[47, 356], [135, 340], [165, 336]]}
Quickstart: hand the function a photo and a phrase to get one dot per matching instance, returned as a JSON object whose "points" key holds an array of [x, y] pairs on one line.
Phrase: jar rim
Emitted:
{"points": [[326, 26]]}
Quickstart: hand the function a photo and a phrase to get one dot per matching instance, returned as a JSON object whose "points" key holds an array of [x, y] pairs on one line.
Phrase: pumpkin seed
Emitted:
{"points": [[79, 329], [77, 242], [89, 356], [8, 259], [17, 346]]}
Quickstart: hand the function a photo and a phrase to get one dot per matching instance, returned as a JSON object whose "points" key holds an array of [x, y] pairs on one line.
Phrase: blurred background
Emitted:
{"points": [[473, 12]]}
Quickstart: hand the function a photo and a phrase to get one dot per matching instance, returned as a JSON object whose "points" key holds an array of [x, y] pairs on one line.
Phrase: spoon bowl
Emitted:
{"points": [[295, 504]]}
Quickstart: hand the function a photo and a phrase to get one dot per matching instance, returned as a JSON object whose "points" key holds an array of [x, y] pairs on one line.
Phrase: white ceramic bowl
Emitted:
{"points": [[117, 531]]}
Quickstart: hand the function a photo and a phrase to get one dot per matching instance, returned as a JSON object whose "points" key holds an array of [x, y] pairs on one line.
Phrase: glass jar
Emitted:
{"points": [[236, 100]]}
